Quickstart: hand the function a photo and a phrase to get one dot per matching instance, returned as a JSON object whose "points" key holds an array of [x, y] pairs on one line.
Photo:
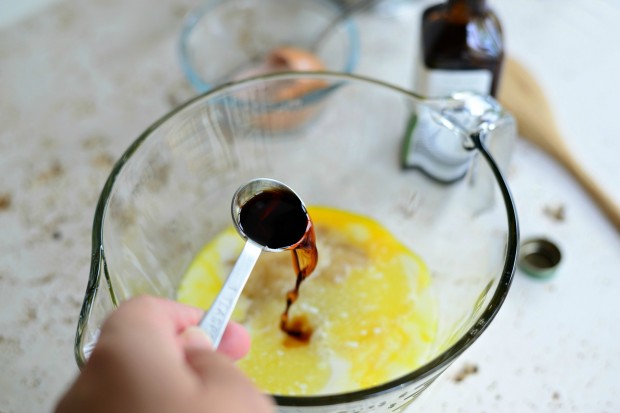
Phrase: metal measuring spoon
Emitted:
{"points": [[269, 216]]}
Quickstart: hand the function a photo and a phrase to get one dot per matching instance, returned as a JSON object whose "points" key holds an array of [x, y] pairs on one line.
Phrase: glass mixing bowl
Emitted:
{"points": [[223, 39], [170, 194]]}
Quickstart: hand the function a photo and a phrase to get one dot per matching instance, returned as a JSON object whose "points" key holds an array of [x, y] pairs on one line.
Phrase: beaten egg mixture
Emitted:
{"points": [[368, 302]]}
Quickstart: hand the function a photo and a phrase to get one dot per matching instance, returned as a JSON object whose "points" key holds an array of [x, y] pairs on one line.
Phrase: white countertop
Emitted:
{"points": [[79, 80]]}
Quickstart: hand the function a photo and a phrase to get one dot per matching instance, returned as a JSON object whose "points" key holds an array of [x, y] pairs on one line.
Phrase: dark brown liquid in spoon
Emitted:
{"points": [[278, 219]]}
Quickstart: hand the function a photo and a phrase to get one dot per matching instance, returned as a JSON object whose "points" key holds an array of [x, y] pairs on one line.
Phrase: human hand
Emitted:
{"points": [[150, 358]]}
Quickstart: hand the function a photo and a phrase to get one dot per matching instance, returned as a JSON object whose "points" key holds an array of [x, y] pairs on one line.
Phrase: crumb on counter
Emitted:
{"points": [[466, 371], [5, 201], [555, 212]]}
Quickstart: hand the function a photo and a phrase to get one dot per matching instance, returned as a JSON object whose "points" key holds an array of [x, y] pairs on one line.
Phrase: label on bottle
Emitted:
{"points": [[430, 146], [442, 83]]}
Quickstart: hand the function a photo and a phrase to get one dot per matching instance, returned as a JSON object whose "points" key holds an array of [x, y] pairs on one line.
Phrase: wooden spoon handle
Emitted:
{"points": [[604, 201], [521, 95]]}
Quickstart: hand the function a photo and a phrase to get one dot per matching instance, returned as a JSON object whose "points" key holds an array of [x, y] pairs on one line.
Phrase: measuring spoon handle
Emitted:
{"points": [[215, 320]]}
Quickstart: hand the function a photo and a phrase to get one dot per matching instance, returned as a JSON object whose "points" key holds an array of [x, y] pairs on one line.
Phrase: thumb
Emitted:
{"points": [[221, 377], [195, 337], [209, 365], [202, 357]]}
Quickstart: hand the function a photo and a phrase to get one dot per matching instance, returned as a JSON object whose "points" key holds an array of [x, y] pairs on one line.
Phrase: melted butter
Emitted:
{"points": [[368, 302]]}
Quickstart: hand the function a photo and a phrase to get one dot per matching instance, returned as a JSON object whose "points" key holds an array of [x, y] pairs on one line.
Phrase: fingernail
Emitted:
{"points": [[195, 337]]}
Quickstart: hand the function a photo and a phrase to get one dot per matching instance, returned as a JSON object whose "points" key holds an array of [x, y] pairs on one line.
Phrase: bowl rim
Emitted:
{"points": [[432, 368], [194, 17]]}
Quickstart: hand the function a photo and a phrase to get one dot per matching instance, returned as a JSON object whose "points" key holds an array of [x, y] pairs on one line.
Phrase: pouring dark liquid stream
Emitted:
{"points": [[278, 219]]}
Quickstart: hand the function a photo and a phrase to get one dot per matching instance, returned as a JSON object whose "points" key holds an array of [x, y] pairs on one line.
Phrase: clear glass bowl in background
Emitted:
{"points": [[170, 194], [222, 38]]}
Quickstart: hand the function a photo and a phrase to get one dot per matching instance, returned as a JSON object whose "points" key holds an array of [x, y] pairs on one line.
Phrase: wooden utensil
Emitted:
{"points": [[521, 95]]}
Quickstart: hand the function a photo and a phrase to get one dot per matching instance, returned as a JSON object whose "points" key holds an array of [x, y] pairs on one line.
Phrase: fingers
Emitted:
{"points": [[151, 356], [157, 313], [164, 320], [145, 330]]}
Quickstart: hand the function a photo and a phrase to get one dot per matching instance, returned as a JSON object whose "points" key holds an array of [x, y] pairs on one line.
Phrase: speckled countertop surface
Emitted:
{"points": [[79, 80]]}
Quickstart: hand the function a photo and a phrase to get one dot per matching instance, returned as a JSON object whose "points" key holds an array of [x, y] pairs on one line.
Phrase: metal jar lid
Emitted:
{"points": [[539, 257]]}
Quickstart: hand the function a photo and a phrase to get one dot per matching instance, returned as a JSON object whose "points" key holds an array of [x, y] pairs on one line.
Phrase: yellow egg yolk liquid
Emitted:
{"points": [[368, 302]]}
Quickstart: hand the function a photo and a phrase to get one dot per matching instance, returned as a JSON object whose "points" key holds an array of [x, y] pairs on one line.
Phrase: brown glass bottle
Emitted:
{"points": [[461, 49]]}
